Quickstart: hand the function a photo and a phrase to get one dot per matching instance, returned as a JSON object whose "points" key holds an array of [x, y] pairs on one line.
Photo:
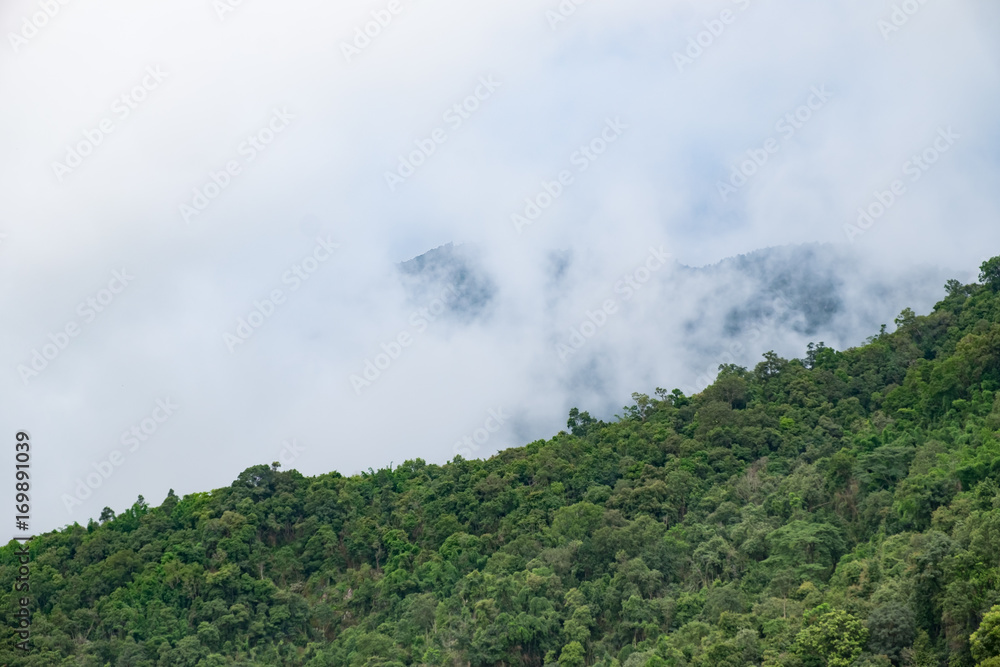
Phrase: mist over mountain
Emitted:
{"points": [[814, 293], [445, 268], [729, 312], [246, 198], [838, 512]]}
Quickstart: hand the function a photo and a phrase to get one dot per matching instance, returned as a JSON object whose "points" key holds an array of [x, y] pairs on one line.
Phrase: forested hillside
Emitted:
{"points": [[840, 509]]}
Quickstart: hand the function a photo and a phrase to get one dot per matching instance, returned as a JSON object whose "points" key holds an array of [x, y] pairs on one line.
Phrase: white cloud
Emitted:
{"points": [[325, 174]]}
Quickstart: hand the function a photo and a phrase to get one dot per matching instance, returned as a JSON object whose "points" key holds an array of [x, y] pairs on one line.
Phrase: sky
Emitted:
{"points": [[204, 203]]}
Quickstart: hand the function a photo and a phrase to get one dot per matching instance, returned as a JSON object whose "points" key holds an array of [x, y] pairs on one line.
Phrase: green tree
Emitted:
{"points": [[573, 655], [891, 629], [989, 273], [836, 639], [985, 641], [954, 287]]}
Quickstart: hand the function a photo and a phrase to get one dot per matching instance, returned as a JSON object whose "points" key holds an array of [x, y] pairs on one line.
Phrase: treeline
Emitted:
{"points": [[837, 510]]}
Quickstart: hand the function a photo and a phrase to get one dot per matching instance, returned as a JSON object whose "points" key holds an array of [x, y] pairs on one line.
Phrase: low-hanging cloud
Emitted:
{"points": [[206, 147]]}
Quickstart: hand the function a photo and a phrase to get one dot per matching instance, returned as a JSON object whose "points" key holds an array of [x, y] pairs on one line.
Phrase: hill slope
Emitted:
{"points": [[842, 509]]}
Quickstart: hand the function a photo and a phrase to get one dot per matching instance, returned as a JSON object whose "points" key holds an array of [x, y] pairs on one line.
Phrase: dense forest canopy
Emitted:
{"points": [[837, 510]]}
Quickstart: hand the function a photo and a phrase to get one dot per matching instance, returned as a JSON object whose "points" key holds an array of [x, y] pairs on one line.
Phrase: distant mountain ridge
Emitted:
{"points": [[817, 291]]}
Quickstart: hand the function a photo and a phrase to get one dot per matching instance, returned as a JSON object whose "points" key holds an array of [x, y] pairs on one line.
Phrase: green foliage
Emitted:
{"points": [[835, 639], [891, 629], [843, 509], [985, 641], [989, 273], [572, 655]]}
